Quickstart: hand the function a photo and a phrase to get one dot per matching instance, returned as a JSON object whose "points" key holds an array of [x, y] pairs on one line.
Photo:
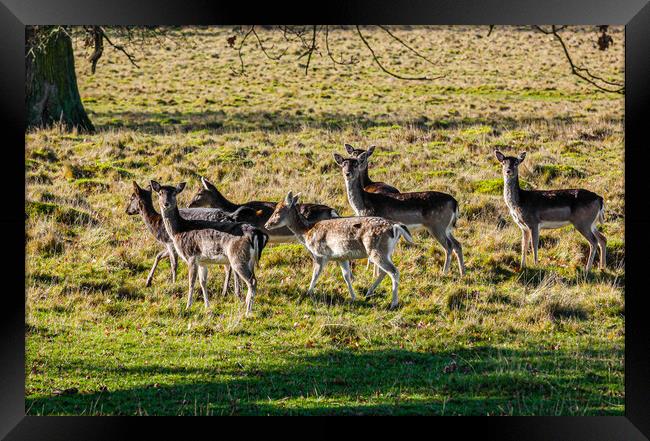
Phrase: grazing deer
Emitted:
{"points": [[533, 210], [369, 185], [209, 196], [199, 243], [141, 202], [434, 211], [343, 239]]}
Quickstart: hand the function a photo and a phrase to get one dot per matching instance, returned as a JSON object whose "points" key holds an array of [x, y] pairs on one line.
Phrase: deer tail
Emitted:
{"points": [[601, 213], [402, 230]]}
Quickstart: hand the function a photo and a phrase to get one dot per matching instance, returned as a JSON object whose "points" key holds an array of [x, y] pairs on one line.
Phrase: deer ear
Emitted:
{"points": [[338, 158], [155, 186], [288, 199], [522, 156], [295, 199], [207, 184], [180, 187], [349, 149], [203, 183], [136, 187], [370, 150], [499, 155], [363, 157]]}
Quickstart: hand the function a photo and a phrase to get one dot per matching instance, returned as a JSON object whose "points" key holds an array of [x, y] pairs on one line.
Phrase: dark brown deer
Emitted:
{"points": [[141, 203], [368, 184], [533, 210], [434, 211], [209, 196], [343, 239], [200, 243]]}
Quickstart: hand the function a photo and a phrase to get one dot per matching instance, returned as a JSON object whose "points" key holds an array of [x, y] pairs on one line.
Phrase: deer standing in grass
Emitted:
{"points": [[200, 243], [434, 211], [368, 184], [141, 203], [533, 210], [343, 239]]}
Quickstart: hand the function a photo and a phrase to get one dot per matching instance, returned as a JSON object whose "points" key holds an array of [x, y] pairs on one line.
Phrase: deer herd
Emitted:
{"points": [[214, 230]]}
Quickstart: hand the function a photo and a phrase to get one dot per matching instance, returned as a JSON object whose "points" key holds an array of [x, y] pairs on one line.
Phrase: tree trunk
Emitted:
{"points": [[52, 95]]}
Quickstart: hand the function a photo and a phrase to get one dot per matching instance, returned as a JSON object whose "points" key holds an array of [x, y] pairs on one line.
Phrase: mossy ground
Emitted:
{"points": [[547, 340]]}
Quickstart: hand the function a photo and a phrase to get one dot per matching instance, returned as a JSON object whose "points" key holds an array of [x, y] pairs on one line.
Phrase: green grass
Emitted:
{"points": [[547, 340]]}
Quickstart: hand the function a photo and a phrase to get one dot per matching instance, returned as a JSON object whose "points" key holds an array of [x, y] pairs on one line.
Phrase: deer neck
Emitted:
{"points": [[354, 188], [172, 220], [222, 202], [511, 190], [365, 179], [152, 219], [297, 224]]}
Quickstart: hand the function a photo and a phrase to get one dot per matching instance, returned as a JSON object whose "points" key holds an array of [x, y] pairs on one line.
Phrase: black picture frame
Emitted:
{"points": [[634, 14]]}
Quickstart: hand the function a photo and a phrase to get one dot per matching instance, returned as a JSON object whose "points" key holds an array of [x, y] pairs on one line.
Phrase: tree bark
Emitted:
{"points": [[52, 95]]}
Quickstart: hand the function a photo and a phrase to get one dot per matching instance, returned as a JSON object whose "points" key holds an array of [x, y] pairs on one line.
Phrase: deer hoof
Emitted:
{"points": [[392, 306]]}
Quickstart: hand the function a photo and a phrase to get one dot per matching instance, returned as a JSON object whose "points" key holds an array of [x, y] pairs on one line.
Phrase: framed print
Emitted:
{"points": [[423, 209]]}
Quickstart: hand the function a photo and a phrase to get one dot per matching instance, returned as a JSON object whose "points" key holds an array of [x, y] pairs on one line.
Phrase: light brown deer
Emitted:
{"points": [[200, 243], [343, 239], [434, 211], [533, 210]]}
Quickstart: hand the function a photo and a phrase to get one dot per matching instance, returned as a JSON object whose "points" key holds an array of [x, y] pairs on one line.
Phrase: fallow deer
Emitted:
{"points": [[343, 239], [533, 210], [434, 211], [141, 202], [368, 184], [209, 196], [200, 243]]}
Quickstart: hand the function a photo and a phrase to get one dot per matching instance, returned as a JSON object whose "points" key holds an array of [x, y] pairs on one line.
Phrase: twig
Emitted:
{"points": [[582, 72], [118, 47], [381, 66], [385, 29], [329, 52]]}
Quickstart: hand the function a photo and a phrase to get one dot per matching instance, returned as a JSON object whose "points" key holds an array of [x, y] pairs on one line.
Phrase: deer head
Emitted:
{"points": [[510, 164], [167, 195], [206, 197], [138, 199], [352, 167], [282, 211]]}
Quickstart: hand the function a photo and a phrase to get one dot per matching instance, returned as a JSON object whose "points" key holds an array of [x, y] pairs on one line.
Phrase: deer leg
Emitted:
{"points": [[159, 256], [534, 238], [458, 251], [191, 271], [441, 237], [237, 286], [203, 281], [389, 268], [602, 245], [242, 270], [226, 280], [525, 239], [319, 264], [593, 243], [173, 260], [347, 276]]}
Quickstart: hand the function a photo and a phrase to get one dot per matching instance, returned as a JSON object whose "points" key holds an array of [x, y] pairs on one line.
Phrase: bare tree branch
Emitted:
{"points": [[381, 66], [120, 48], [418, 54], [583, 72], [329, 52], [264, 50]]}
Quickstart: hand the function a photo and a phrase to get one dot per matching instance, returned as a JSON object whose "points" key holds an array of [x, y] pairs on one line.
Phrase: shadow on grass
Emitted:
{"points": [[237, 121], [478, 381]]}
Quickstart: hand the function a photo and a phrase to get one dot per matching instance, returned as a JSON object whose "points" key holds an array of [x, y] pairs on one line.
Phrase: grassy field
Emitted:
{"points": [[548, 340]]}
